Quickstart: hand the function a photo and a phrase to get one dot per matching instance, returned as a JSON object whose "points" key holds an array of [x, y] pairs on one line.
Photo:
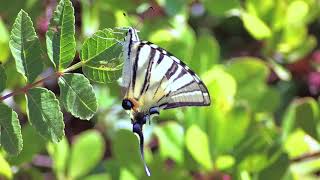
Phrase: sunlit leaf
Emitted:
{"points": [[4, 34], [3, 79], [297, 12], [11, 138], [260, 8], [59, 153], [229, 128], [120, 5], [206, 53], [197, 143], [86, 153], [224, 162], [255, 26], [171, 139], [25, 47], [32, 144], [254, 162], [101, 57], [77, 95], [222, 87], [305, 146], [5, 170], [44, 113], [61, 44], [221, 7], [179, 40]]}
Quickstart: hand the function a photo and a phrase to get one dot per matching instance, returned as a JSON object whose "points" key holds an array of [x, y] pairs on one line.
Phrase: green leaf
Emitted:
{"points": [[221, 7], [59, 153], [297, 137], [172, 7], [3, 79], [32, 143], [5, 170], [229, 128], [90, 17], [197, 143], [61, 43], [4, 34], [255, 26], [104, 176], [206, 52], [86, 152], [302, 113], [276, 169], [248, 70], [297, 12], [222, 87], [11, 138], [254, 162], [100, 56], [307, 116], [25, 47], [251, 73], [44, 113], [77, 95], [171, 141], [126, 150], [225, 162]]}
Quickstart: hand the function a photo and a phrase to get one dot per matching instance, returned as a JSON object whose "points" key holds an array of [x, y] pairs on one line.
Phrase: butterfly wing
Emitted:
{"points": [[161, 80]]}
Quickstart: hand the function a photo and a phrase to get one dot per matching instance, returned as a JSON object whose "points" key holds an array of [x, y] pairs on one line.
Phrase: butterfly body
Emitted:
{"points": [[155, 80]]}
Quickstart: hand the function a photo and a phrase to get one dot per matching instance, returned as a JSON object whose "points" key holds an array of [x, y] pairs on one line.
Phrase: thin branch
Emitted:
{"points": [[306, 157], [29, 86]]}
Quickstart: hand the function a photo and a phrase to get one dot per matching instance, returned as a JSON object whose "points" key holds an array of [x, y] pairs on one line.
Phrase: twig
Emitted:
{"points": [[29, 86], [307, 156]]}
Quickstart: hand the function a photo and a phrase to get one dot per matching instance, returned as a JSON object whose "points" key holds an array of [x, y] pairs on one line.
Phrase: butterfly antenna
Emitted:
{"points": [[128, 19]]}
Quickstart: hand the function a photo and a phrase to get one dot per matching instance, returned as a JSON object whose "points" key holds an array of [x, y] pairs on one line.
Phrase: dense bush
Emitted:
{"points": [[60, 62]]}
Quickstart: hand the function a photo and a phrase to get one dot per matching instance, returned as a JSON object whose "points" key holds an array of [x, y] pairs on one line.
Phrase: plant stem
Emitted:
{"points": [[29, 86], [73, 67]]}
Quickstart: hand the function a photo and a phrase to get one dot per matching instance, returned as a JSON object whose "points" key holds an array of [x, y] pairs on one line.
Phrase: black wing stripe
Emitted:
{"points": [[171, 71], [181, 104], [182, 72], [135, 67], [160, 58], [148, 75]]}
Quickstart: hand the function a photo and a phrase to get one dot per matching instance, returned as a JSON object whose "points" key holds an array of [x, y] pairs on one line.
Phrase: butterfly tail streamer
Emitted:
{"points": [[141, 144]]}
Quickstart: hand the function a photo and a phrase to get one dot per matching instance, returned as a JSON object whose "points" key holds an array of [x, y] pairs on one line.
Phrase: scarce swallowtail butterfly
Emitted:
{"points": [[155, 80]]}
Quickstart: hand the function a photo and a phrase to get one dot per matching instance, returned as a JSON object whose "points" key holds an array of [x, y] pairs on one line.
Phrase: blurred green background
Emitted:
{"points": [[260, 60]]}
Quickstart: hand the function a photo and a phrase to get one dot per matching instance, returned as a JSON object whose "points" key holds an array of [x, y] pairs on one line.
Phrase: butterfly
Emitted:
{"points": [[155, 80]]}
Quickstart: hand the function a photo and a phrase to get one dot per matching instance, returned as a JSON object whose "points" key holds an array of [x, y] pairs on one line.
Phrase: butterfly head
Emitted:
{"points": [[133, 106], [132, 34]]}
